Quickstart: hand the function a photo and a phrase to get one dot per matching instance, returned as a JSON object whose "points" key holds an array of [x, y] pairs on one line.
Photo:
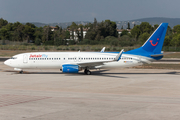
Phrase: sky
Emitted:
{"points": [[50, 11]]}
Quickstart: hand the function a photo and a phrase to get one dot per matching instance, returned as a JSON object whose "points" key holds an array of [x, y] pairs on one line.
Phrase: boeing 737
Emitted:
{"points": [[73, 62]]}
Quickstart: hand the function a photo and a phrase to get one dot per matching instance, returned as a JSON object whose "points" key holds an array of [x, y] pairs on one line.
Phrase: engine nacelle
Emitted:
{"points": [[69, 68]]}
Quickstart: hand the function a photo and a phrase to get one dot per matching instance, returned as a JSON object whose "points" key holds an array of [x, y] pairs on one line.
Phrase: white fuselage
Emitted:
{"points": [[57, 59]]}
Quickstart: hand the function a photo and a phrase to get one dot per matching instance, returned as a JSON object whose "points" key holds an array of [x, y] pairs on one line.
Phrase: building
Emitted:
{"points": [[53, 28], [85, 31], [76, 33], [120, 31]]}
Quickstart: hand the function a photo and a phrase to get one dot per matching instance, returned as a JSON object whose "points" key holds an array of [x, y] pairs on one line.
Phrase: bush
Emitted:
{"points": [[46, 47], [49, 42], [73, 49], [37, 41], [58, 48], [88, 42], [33, 48]]}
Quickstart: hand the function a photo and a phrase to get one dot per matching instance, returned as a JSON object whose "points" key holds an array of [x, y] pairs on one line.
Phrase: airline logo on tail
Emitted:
{"points": [[151, 41]]}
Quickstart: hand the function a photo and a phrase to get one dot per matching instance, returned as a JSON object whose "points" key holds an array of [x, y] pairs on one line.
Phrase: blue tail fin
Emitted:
{"points": [[155, 42]]}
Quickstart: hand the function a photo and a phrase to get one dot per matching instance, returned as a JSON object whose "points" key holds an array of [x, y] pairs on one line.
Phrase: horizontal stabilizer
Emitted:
{"points": [[158, 55]]}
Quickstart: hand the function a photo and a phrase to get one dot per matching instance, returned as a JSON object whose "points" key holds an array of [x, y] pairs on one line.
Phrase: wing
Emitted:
{"points": [[98, 63]]}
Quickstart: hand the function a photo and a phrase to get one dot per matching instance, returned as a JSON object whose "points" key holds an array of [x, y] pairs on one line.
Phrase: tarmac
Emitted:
{"points": [[115, 94]]}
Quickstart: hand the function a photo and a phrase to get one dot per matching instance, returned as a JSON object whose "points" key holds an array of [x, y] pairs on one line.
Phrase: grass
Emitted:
{"points": [[173, 55], [159, 66], [10, 50]]}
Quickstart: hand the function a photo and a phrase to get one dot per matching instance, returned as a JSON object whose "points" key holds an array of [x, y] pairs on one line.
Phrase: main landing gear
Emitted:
{"points": [[87, 72], [21, 72]]}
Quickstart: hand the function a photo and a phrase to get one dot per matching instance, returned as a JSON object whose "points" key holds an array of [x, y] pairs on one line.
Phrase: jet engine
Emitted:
{"points": [[69, 68]]}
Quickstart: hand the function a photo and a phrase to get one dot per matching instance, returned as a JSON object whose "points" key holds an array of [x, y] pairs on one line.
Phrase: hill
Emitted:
{"points": [[156, 20]]}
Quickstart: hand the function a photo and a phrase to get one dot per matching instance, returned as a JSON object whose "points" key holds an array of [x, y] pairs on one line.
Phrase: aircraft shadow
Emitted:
{"points": [[105, 73]]}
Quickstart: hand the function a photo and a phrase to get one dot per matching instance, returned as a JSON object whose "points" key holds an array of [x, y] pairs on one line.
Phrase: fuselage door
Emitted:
{"points": [[25, 58]]}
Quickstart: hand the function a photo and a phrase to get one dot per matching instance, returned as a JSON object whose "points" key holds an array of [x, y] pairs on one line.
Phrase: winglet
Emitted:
{"points": [[103, 49], [118, 57]]}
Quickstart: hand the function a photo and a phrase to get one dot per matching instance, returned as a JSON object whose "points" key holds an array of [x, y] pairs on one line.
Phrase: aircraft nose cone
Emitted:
{"points": [[7, 62]]}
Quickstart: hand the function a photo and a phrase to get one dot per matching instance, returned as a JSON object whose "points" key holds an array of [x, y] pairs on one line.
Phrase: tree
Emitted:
{"points": [[167, 40], [135, 32], [3, 22], [169, 31], [128, 26], [176, 40], [176, 29], [144, 37], [38, 33], [124, 32], [95, 23], [29, 30], [81, 33], [37, 41], [156, 26], [59, 41], [111, 28], [91, 34], [122, 27], [103, 29], [46, 35], [18, 32], [73, 28], [146, 27], [4, 33]]}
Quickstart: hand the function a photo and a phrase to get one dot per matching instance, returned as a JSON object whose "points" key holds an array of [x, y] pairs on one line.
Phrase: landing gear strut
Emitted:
{"points": [[87, 72], [21, 72]]}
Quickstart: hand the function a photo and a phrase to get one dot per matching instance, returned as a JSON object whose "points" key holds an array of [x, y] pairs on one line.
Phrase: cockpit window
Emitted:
{"points": [[13, 58]]}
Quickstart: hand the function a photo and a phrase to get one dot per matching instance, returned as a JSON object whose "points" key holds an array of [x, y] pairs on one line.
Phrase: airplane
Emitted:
{"points": [[73, 62]]}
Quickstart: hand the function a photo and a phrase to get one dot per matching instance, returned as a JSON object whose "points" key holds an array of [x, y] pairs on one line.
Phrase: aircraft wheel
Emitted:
{"points": [[85, 71], [21, 72], [88, 72]]}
